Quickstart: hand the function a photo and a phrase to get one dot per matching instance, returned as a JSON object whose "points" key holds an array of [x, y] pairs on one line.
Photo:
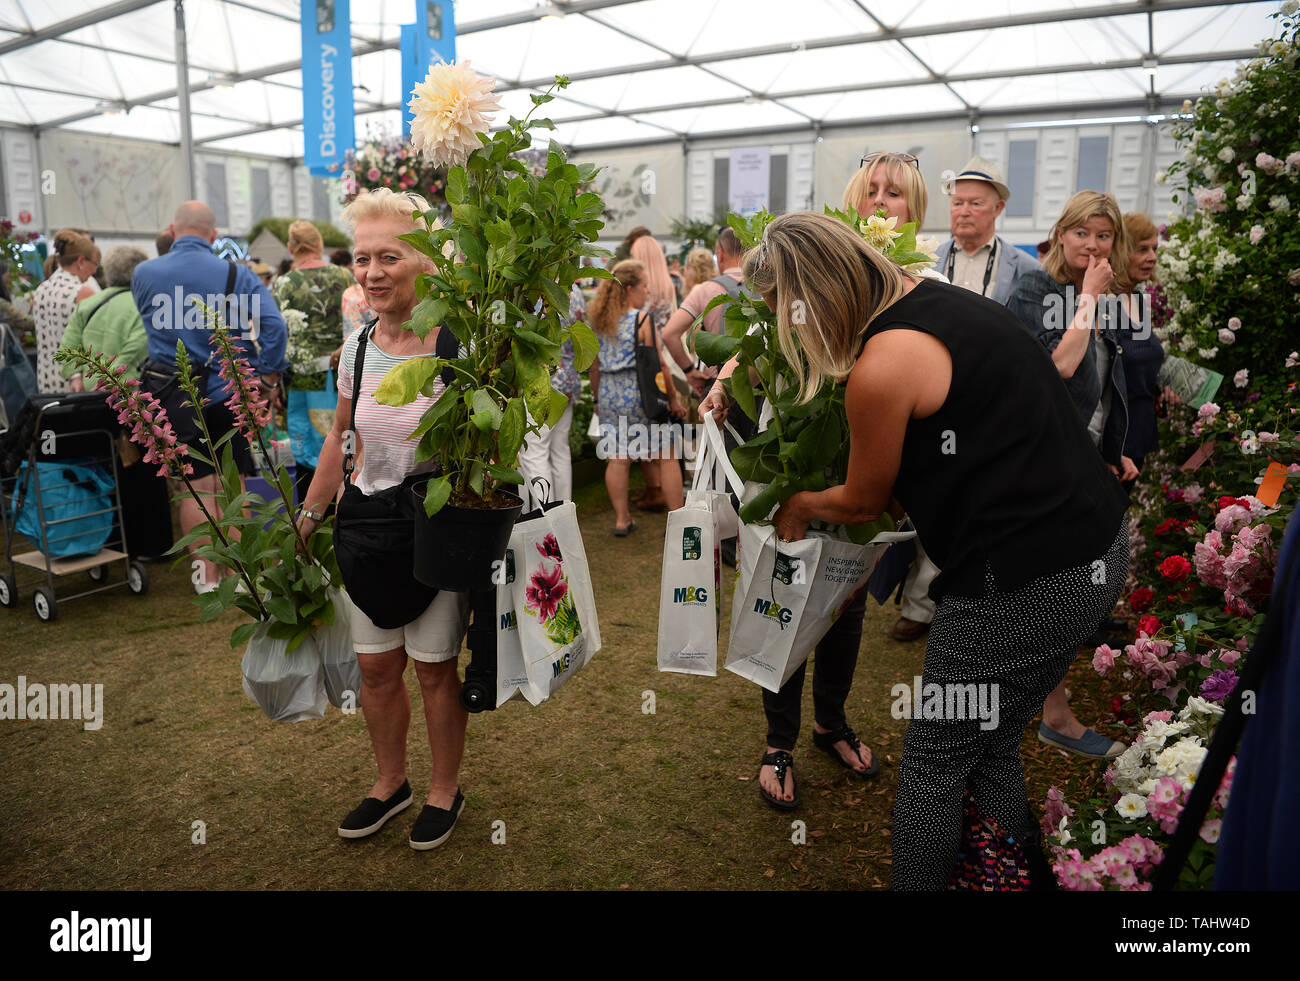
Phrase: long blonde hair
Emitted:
{"points": [[650, 254], [902, 173], [610, 301], [1082, 206], [826, 285]]}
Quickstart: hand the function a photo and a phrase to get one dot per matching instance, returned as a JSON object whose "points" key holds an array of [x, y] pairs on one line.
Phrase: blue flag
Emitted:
{"points": [[327, 110], [430, 39]]}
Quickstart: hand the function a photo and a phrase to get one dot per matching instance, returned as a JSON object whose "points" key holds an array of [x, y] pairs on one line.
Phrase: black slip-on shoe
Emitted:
{"points": [[372, 813], [434, 825]]}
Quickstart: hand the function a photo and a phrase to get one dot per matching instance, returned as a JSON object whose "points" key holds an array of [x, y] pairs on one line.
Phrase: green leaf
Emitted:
{"points": [[486, 413], [743, 393], [428, 314], [761, 506], [714, 349], [476, 474], [586, 345], [559, 402], [281, 607], [302, 634], [504, 475], [404, 380], [510, 437], [457, 186], [242, 633], [435, 495]]}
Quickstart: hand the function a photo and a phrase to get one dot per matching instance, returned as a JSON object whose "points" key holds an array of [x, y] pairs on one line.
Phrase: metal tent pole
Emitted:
{"points": [[183, 102]]}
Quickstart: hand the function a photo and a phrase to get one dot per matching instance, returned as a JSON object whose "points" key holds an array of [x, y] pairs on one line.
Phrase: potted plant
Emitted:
{"points": [[503, 270], [299, 650], [805, 446]]}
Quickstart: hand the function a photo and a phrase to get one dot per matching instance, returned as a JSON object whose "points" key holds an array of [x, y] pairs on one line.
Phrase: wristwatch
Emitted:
{"points": [[318, 518]]}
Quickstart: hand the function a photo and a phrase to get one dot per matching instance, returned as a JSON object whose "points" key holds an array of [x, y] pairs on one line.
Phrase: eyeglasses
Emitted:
{"points": [[877, 154]]}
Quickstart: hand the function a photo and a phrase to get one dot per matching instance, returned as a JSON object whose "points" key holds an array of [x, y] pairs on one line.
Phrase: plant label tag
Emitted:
{"points": [[1199, 457], [1270, 488]]}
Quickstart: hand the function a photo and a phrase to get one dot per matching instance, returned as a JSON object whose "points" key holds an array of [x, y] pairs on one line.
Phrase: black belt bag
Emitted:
{"points": [[374, 535], [374, 543]]}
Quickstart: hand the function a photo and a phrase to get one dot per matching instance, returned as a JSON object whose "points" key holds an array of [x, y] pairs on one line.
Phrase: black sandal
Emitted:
{"points": [[827, 740], [781, 761]]}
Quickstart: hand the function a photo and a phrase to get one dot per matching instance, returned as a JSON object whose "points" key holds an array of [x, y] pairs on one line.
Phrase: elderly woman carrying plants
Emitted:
{"points": [[986, 455], [386, 267]]}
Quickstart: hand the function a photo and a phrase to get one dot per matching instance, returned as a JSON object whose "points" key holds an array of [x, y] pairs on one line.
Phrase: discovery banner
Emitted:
{"points": [[431, 38], [327, 111]]}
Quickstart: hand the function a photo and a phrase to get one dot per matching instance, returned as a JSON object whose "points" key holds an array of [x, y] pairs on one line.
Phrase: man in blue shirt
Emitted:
{"points": [[167, 291]]}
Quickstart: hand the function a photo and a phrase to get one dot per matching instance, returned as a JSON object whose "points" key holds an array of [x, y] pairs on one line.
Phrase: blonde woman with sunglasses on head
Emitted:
{"points": [[1010, 498]]}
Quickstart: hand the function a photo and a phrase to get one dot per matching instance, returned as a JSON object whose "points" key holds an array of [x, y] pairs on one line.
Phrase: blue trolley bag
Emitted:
{"points": [[75, 515]]}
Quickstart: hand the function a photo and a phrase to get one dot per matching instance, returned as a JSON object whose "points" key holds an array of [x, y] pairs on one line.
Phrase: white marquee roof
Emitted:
{"points": [[642, 70]]}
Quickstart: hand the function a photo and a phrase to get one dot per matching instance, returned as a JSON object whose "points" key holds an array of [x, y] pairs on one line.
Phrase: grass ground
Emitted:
{"points": [[594, 792]]}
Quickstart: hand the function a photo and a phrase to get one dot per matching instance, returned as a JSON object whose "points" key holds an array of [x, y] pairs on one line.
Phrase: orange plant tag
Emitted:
{"points": [[1270, 488]]}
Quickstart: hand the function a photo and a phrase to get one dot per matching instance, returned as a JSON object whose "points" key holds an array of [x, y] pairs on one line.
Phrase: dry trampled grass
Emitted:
{"points": [[594, 792]]}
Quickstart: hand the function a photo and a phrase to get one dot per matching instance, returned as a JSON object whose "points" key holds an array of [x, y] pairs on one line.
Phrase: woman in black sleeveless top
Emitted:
{"points": [[955, 411]]}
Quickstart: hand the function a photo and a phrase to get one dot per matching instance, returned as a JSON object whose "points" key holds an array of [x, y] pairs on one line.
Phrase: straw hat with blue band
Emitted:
{"points": [[977, 169]]}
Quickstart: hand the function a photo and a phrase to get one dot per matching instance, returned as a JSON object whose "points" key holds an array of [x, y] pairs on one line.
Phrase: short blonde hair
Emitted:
{"points": [[384, 202], [902, 173], [1082, 206], [304, 239], [827, 285], [698, 267]]}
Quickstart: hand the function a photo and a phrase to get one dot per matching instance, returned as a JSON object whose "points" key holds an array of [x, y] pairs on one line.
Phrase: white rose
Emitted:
{"points": [[1226, 336], [1242, 378], [1131, 806], [1226, 154], [1279, 202]]}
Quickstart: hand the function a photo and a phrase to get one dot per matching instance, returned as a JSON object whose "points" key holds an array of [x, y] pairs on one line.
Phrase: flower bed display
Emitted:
{"points": [[1211, 505]]}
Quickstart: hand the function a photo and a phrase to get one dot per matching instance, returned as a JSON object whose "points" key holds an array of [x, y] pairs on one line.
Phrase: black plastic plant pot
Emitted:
{"points": [[456, 548]]}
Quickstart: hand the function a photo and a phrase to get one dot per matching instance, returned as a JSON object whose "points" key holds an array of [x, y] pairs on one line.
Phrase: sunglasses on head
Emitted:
{"points": [[905, 157]]}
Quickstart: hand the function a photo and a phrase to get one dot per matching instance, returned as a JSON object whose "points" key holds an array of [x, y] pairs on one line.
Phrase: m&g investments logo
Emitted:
{"points": [[773, 611], [691, 595]]}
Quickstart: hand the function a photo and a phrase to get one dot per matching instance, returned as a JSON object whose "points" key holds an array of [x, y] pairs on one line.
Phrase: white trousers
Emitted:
{"points": [[547, 455]]}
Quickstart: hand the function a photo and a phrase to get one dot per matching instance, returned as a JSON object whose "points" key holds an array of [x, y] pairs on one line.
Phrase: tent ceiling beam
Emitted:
{"points": [[1136, 107], [1199, 58], [59, 28], [894, 34]]}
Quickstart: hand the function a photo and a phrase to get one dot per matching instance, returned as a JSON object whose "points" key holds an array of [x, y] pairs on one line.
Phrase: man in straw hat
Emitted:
{"points": [[976, 257]]}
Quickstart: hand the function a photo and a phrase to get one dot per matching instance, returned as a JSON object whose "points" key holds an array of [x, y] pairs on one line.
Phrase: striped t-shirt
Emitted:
{"points": [[387, 456]]}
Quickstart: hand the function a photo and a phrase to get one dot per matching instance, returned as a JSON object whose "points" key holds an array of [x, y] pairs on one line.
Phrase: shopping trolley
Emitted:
{"points": [[59, 479]]}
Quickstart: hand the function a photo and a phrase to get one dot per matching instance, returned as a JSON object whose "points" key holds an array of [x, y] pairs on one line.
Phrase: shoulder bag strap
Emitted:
{"points": [[230, 277], [356, 394], [108, 296]]}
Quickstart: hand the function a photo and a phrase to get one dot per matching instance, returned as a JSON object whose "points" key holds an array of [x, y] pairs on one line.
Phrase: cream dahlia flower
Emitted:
{"points": [[450, 108], [879, 232]]}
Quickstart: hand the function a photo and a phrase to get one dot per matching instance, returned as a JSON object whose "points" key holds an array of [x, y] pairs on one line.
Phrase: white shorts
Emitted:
{"points": [[435, 635]]}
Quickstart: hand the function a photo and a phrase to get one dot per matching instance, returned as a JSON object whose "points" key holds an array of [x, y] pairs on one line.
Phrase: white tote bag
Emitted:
{"points": [[690, 588], [555, 630], [789, 594], [512, 679]]}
